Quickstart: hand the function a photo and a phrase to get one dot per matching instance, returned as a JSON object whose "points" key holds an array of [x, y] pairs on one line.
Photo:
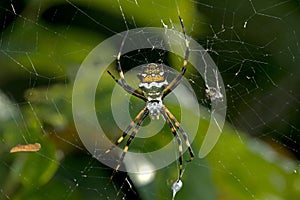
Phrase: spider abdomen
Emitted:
{"points": [[153, 76]]}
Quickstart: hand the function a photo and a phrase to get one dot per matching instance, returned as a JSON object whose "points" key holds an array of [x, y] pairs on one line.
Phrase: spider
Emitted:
{"points": [[153, 88]]}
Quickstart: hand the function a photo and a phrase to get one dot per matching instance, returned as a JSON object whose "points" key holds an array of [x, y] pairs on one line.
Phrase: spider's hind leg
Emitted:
{"points": [[182, 131], [144, 114], [125, 133], [178, 141]]}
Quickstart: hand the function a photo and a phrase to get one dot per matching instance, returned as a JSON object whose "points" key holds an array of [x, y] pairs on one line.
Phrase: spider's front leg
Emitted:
{"points": [[123, 82], [177, 79], [128, 88]]}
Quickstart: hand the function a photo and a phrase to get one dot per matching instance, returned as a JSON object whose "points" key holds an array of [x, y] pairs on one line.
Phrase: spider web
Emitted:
{"points": [[255, 45]]}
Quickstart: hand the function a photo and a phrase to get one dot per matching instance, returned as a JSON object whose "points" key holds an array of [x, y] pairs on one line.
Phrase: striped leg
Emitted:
{"points": [[120, 139], [185, 137], [134, 132], [129, 89], [123, 82], [176, 80], [178, 141]]}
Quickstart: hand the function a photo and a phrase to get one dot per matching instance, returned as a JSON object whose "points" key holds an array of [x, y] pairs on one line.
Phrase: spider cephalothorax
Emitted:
{"points": [[153, 88]]}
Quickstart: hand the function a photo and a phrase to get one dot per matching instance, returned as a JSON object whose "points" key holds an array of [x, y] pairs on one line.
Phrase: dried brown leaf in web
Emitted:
{"points": [[26, 148]]}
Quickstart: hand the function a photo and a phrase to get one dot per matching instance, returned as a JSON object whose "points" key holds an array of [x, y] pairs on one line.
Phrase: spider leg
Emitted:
{"points": [[185, 137], [177, 79], [131, 137], [123, 82], [128, 88], [178, 141], [121, 138]]}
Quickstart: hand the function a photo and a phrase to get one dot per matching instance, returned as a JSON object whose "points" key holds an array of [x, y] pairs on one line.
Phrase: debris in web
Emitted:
{"points": [[176, 187], [214, 94], [26, 148]]}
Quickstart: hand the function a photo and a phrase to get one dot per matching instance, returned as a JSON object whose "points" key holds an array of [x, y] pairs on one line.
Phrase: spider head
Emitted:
{"points": [[152, 79], [154, 107]]}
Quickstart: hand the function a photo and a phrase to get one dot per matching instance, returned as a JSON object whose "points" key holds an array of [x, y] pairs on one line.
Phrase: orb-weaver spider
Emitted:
{"points": [[153, 88]]}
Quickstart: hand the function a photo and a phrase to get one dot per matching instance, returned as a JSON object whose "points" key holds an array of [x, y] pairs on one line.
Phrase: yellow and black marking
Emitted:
{"points": [[152, 73], [184, 134], [143, 114], [120, 139], [178, 141], [151, 78]]}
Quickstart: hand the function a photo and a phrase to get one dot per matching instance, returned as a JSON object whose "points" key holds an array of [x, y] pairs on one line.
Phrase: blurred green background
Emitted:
{"points": [[255, 45]]}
